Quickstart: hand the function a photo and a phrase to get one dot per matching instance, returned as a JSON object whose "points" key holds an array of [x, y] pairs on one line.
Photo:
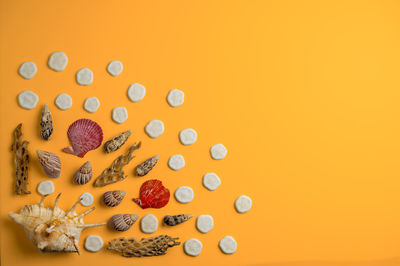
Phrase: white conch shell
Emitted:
{"points": [[52, 229]]}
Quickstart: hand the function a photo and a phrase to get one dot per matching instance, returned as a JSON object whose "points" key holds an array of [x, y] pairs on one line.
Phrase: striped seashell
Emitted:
{"points": [[122, 222], [50, 162], [173, 220], [84, 174], [113, 198]]}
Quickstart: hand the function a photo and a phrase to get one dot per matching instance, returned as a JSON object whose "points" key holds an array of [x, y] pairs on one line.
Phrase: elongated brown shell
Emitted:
{"points": [[84, 174], [117, 142], [113, 198], [46, 123], [122, 222], [145, 167], [50, 162], [173, 220]]}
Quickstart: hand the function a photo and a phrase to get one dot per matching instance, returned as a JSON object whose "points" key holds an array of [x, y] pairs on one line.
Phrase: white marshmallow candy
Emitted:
{"points": [[28, 99], [119, 115], [114, 68], [45, 187], [27, 70], [228, 245], [58, 61], [204, 223], [193, 247], [94, 243], [154, 128], [175, 97], [84, 76], [243, 204], [176, 162], [211, 181], [91, 104], [149, 224], [188, 136], [136, 92], [184, 194], [63, 101], [86, 199], [218, 152]]}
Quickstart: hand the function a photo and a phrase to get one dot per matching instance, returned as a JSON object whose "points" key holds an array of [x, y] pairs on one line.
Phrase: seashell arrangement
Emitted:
{"points": [[117, 141], [113, 198], [115, 172], [152, 195], [173, 220], [153, 246], [50, 162], [21, 161], [85, 135], [52, 229], [46, 123], [122, 222], [145, 167], [84, 174]]}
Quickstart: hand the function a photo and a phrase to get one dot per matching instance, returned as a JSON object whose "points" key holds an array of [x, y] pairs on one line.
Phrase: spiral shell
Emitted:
{"points": [[84, 174], [113, 198], [122, 222], [50, 162], [173, 220], [46, 123]]}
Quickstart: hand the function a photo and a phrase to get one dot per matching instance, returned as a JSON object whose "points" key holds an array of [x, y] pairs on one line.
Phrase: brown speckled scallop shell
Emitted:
{"points": [[113, 198], [122, 222]]}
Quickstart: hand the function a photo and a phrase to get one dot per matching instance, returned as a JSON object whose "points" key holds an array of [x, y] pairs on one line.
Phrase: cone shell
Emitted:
{"points": [[122, 222], [46, 123], [50, 162], [173, 220], [84, 174], [117, 142], [84, 135], [113, 198]]}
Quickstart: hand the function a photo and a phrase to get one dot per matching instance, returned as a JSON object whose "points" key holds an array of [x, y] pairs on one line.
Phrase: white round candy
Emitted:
{"points": [[63, 101], [175, 97], [149, 224], [176, 162], [136, 92], [93, 243], [188, 136], [204, 223], [91, 104], [218, 152], [58, 61], [114, 68], [228, 245], [243, 204], [184, 194], [28, 99], [86, 199], [211, 181], [45, 187], [119, 115], [193, 247], [27, 70], [84, 76], [154, 128]]}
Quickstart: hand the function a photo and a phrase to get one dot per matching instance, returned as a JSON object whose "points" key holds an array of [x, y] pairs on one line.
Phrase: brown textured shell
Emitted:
{"points": [[113, 198], [21, 161], [145, 167], [115, 172], [46, 123], [84, 174], [117, 142], [50, 162], [173, 220], [122, 222], [153, 246]]}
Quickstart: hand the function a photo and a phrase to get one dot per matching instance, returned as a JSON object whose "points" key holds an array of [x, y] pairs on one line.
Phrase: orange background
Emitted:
{"points": [[304, 94]]}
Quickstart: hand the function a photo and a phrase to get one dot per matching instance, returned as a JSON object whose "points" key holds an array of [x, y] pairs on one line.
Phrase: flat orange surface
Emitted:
{"points": [[304, 94]]}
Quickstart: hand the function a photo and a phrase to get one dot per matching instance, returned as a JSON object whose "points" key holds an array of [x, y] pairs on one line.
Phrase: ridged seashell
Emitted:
{"points": [[50, 162], [152, 195], [122, 222], [84, 135], [113, 198], [145, 167], [117, 141], [173, 220], [84, 174], [52, 229], [46, 123]]}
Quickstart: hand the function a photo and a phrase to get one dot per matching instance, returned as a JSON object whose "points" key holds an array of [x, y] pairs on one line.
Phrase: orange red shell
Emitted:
{"points": [[152, 195]]}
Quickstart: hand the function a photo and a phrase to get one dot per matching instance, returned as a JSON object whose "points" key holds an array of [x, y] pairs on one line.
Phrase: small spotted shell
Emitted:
{"points": [[50, 162], [113, 198], [122, 222], [84, 174]]}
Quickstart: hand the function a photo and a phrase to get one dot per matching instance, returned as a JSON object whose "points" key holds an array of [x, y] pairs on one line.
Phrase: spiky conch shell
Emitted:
{"points": [[84, 174], [52, 229]]}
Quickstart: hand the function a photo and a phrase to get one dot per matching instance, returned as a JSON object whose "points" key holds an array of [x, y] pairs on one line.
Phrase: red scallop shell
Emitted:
{"points": [[152, 195], [84, 135]]}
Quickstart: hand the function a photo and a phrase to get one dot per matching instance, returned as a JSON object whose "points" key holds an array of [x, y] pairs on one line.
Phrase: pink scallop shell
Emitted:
{"points": [[85, 135]]}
